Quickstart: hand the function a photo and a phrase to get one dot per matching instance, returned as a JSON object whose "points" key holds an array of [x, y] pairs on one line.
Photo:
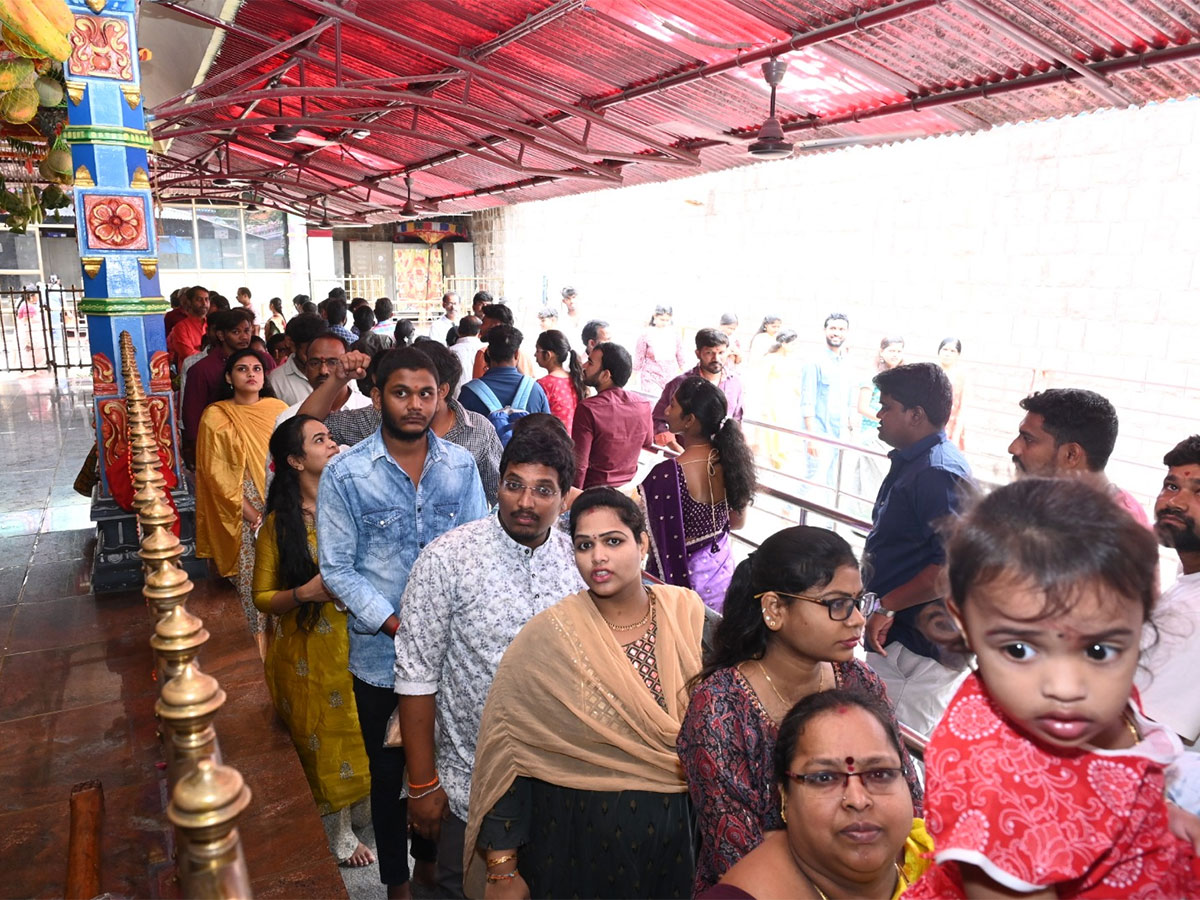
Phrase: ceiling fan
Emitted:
{"points": [[224, 178], [770, 142]]}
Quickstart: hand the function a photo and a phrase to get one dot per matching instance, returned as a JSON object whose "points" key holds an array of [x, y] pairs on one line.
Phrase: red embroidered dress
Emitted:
{"points": [[1092, 823], [561, 394]]}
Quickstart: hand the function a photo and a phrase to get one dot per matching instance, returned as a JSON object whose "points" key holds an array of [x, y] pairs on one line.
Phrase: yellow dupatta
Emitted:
{"points": [[231, 444], [567, 707]]}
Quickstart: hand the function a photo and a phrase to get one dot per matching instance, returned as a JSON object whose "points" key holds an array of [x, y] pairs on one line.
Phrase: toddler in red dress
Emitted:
{"points": [[1043, 777]]}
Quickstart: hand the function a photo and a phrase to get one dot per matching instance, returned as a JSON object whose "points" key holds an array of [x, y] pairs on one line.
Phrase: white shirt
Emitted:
{"points": [[439, 326], [469, 593], [1170, 668], [465, 348], [289, 382], [356, 400], [920, 688]]}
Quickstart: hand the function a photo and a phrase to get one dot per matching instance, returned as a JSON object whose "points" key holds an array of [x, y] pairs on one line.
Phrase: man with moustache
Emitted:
{"points": [[321, 361], [1070, 433], [826, 385], [1167, 681], [927, 482], [712, 350], [379, 504], [469, 594]]}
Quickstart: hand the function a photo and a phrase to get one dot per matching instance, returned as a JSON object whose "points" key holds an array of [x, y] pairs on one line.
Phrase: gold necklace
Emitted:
{"points": [[820, 893], [1132, 726], [641, 624], [775, 690]]}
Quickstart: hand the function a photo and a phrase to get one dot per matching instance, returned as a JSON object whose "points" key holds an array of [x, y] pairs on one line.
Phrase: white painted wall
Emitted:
{"points": [[1062, 253]]}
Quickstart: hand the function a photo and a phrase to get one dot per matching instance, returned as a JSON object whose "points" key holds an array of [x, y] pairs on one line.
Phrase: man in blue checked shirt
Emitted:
{"points": [[379, 504]]}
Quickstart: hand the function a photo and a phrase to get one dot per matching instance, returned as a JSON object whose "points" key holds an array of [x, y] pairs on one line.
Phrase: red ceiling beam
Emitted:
{"points": [[329, 9], [1147, 60], [523, 133], [1022, 37], [315, 122]]}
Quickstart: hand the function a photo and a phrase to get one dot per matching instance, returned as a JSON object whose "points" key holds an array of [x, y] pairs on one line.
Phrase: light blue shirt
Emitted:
{"points": [[372, 522], [825, 386]]}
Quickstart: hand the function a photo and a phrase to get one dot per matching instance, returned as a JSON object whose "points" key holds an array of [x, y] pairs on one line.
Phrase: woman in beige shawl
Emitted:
{"points": [[231, 474], [577, 790]]}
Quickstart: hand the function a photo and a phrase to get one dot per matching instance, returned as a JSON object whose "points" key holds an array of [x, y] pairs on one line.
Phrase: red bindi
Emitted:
{"points": [[849, 763], [843, 709]]}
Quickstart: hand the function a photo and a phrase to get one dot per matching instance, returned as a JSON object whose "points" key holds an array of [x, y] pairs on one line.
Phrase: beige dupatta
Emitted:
{"points": [[568, 707]]}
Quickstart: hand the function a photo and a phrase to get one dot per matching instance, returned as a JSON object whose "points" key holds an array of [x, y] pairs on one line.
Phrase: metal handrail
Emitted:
{"points": [[814, 436]]}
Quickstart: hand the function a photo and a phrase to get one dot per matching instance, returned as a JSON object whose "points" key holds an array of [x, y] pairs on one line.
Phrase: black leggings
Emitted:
{"points": [[389, 811]]}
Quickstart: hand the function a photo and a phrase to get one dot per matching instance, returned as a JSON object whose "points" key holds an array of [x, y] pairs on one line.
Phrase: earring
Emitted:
{"points": [[783, 814]]}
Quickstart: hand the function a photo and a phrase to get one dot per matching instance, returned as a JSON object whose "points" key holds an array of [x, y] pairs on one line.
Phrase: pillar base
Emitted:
{"points": [[117, 566]]}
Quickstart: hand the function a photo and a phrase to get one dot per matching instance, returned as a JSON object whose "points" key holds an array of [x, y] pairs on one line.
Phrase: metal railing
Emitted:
{"points": [[41, 329], [206, 797]]}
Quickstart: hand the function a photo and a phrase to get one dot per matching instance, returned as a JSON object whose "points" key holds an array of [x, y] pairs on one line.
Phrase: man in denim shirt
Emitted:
{"points": [[379, 504], [928, 481]]}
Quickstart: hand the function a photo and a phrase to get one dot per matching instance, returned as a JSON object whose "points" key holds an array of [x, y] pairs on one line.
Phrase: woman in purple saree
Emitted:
{"points": [[692, 502]]}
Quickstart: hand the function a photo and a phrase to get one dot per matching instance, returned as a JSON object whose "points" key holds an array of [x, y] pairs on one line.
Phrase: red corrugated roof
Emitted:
{"points": [[497, 102]]}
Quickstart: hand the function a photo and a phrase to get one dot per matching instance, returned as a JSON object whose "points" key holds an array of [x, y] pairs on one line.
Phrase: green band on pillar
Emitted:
{"points": [[107, 134], [123, 306]]}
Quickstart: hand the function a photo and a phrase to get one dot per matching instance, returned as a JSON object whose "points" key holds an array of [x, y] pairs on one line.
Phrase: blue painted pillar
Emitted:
{"points": [[118, 250]]}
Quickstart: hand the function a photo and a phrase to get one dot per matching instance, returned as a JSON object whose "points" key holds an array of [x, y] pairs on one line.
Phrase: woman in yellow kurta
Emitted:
{"points": [[307, 664], [231, 473]]}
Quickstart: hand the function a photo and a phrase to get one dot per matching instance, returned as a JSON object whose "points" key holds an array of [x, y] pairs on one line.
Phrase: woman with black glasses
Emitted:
{"points": [[794, 615], [849, 829]]}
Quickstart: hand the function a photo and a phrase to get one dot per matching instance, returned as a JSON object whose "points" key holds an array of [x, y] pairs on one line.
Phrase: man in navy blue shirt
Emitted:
{"points": [[929, 479], [502, 375]]}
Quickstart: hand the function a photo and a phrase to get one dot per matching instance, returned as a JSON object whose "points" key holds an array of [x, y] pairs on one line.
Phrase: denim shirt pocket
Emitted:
{"points": [[446, 516], [384, 531]]}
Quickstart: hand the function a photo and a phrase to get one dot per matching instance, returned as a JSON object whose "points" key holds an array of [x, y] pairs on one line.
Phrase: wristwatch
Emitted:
{"points": [[885, 612]]}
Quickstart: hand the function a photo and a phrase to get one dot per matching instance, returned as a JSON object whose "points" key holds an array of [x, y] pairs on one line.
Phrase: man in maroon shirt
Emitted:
{"points": [[611, 428], [177, 311]]}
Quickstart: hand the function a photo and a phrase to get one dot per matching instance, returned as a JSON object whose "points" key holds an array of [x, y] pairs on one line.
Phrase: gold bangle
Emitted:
{"points": [[501, 860]]}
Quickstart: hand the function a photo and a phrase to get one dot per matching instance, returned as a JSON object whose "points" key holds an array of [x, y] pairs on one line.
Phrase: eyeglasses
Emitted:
{"points": [[839, 607], [874, 781], [517, 488], [319, 362]]}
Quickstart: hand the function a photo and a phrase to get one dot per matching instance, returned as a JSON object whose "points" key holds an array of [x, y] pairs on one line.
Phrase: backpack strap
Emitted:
{"points": [[521, 398], [480, 389]]}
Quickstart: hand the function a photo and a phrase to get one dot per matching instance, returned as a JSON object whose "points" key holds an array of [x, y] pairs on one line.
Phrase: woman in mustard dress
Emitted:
{"points": [[231, 474], [306, 664]]}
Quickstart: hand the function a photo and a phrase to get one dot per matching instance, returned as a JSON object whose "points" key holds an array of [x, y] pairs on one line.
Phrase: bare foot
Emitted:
{"points": [[362, 856]]}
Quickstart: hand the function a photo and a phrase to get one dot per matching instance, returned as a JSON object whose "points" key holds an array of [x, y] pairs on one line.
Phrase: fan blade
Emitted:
{"points": [[857, 140]]}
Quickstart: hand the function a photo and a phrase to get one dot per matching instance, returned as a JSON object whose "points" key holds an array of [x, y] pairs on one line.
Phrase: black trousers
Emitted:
{"points": [[389, 811]]}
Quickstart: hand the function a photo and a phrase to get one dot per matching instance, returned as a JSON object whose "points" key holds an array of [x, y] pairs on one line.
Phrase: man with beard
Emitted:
{"points": [[187, 333], [469, 594], [1069, 432], [379, 504], [826, 385], [712, 350], [610, 428], [1167, 681]]}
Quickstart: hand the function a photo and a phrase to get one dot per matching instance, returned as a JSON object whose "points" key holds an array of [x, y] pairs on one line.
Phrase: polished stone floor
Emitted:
{"points": [[45, 435], [77, 689]]}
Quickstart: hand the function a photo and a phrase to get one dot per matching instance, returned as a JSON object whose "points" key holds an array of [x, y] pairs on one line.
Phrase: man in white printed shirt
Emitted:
{"points": [[468, 595]]}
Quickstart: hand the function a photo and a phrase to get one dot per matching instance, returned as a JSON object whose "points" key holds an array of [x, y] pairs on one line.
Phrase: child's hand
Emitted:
{"points": [[1184, 825]]}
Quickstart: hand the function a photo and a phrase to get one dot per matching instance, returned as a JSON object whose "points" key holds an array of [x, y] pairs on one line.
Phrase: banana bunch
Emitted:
{"points": [[37, 29]]}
